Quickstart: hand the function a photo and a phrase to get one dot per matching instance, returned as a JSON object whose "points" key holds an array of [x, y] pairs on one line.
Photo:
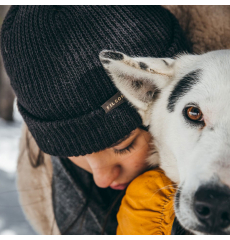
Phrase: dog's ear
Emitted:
{"points": [[139, 79]]}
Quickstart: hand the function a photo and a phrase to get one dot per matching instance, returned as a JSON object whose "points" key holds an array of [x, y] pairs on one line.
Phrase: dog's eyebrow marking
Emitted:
{"points": [[182, 87]]}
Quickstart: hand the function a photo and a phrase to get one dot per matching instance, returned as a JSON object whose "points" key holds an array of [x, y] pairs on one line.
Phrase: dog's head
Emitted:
{"points": [[186, 102]]}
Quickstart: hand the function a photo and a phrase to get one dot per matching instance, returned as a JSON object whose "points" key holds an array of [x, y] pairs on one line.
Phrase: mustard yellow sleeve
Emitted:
{"points": [[147, 207]]}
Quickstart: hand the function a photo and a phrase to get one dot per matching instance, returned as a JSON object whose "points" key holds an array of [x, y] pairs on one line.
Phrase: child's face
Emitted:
{"points": [[118, 165]]}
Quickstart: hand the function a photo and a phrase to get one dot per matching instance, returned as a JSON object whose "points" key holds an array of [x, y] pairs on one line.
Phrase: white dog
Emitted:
{"points": [[186, 103]]}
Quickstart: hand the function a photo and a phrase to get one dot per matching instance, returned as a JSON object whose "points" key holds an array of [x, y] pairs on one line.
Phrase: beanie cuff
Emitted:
{"points": [[90, 133]]}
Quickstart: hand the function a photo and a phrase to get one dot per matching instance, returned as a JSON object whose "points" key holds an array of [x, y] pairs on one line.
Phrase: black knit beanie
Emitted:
{"points": [[51, 56]]}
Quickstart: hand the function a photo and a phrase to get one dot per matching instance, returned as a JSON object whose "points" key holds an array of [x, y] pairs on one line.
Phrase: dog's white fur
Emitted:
{"points": [[189, 155]]}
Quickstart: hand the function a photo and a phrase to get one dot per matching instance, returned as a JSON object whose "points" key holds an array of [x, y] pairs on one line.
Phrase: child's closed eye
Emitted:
{"points": [[124, 150]]}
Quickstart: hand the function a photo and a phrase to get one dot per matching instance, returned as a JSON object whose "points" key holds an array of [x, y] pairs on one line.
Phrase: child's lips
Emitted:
{"points": [[119, 186]]}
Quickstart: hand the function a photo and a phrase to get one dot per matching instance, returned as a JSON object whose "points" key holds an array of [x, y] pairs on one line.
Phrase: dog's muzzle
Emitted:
{"points": [[212, 208]]}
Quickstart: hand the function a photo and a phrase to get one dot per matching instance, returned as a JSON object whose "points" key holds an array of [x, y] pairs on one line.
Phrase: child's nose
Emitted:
{"points": [[103, 177]]}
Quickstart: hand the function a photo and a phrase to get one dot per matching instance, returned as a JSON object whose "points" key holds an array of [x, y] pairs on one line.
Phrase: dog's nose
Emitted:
{"points": [[212, 207]]}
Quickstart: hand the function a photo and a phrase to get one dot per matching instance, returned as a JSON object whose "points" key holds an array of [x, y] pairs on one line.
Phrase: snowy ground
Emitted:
{"points": [[12, 220]]}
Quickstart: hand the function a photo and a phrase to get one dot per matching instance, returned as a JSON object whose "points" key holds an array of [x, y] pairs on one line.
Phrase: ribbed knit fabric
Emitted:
{"points": [[51, 56]]}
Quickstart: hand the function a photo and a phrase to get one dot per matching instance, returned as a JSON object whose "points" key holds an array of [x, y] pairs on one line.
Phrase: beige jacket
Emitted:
{"points": [[208, 28], [34, 187]]}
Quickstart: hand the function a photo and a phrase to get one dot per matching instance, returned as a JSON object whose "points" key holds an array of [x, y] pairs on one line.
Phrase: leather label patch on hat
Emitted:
{"points": [[113, 102]]}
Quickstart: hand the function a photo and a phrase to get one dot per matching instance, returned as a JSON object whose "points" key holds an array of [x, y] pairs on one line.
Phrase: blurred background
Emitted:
{"points": [[12, 219]]}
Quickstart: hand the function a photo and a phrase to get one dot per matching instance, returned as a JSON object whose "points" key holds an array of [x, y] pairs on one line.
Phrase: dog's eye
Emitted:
{"points": [[194, 114]]}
